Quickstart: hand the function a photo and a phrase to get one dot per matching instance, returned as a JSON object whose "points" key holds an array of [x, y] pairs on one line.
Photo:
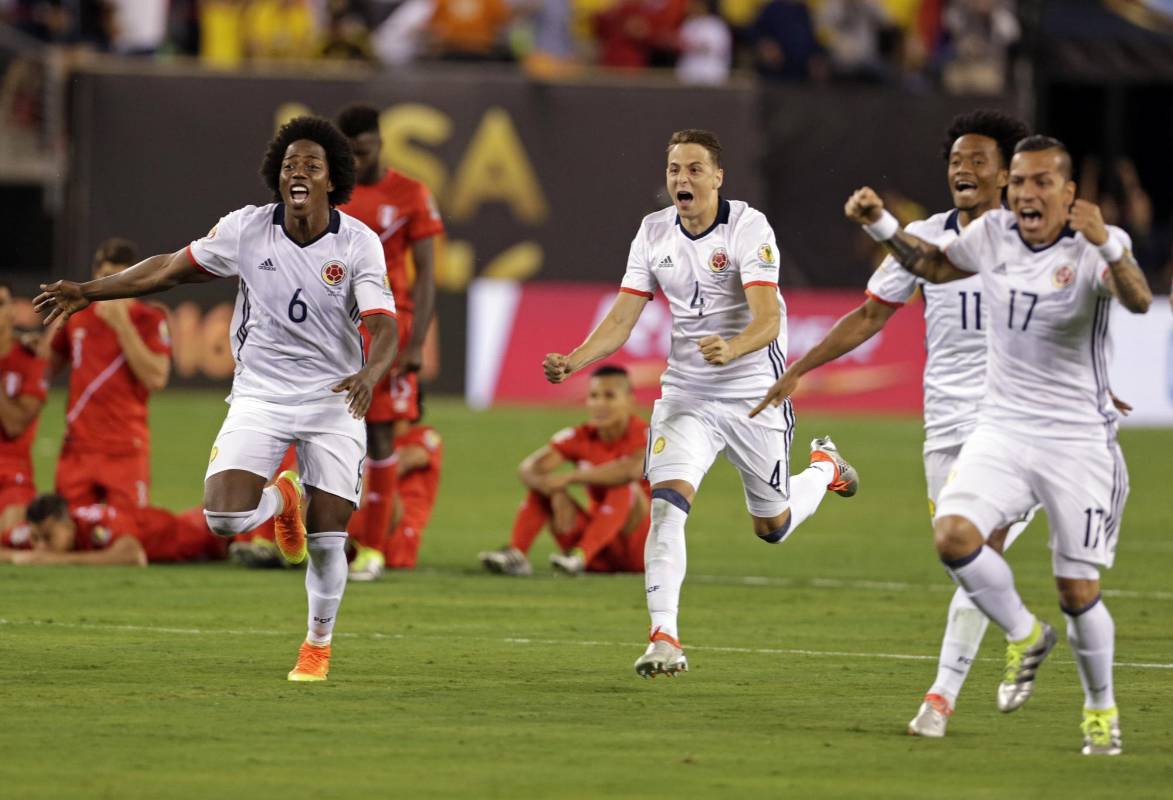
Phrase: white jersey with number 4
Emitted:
{"points": [[1049, 343], [956, 321], [704, 278], [294, 331]]}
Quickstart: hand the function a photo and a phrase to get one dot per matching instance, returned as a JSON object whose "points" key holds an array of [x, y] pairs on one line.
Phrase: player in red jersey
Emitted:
{"points": [[119, 351], [608, 454], [22, 394], [405, 216]]}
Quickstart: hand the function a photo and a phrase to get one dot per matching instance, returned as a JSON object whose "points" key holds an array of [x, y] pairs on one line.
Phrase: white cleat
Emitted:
{"points": [[664, 656], [1022, 664], [846, 480], [368, 565], [571, 563], [506, 561], [932, 718]]}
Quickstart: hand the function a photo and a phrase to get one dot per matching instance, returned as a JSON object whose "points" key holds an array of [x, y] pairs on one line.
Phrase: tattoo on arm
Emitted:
{"points": [[914, 254], [1129, 284]]}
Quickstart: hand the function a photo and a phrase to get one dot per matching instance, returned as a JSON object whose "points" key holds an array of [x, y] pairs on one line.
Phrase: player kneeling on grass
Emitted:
{"points": [[607, 456], [1046, 431], [308, 276]]}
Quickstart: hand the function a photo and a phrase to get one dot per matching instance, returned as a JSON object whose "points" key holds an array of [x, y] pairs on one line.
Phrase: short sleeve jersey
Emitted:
{"points": [[584, 446], [401, 211], [107, 409], [418, 488], [294, 331], [22, 374], [955, 336], [1049, 338], [704, 279]]}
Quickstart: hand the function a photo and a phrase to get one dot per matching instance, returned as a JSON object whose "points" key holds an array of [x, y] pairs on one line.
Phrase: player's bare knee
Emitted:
{"points": [[955, 537], [233, 490], [772, 529], [326, 513], [1076, 594]]}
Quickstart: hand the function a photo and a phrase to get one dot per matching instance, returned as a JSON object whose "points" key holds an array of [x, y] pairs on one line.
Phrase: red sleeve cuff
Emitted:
{"points": [[196, 262], [759, 283], [882, 301], [373, 311], [636, 292]]}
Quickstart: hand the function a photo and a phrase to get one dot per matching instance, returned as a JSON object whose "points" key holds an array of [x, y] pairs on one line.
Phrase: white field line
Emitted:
{"points": [[631, 646]]}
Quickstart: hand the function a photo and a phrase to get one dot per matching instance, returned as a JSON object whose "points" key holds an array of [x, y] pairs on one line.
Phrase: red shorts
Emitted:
{"points": [[87, 478], [178, 537], [16, 487], [395, 397]]}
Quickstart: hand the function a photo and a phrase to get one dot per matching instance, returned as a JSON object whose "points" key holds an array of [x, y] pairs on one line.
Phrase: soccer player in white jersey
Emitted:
{"points": [[1046, 431], [977, 152], [308, 275], [716, 262]]}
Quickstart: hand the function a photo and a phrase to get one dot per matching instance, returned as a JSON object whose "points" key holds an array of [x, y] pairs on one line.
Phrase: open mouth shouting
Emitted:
{"points": [[1030, 219], [965, 187], [684, 199], [299, 193]]}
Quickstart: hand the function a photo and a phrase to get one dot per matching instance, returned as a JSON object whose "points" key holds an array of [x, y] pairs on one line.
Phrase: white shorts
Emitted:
{"points": [[1082, 485], [331, 444], [687, 434], [939, 468]]}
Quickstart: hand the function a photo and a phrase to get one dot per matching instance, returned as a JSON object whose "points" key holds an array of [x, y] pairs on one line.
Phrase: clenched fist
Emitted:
{"points": [[864, 206], [1085, 218], [557, 367]]}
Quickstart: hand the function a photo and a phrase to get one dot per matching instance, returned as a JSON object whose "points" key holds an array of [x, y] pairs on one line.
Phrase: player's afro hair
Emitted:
{"points": [[1003, 128], [321, 131], [46, 506], [357, 119]]}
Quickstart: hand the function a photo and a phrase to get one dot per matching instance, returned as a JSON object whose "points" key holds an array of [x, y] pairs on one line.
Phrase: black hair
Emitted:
{"points": [[706, 139], [117, 251], [1003, 128], [6, 285], [609, 371], [1038, 142], [321, 131], [46, 506], [357, 119]]}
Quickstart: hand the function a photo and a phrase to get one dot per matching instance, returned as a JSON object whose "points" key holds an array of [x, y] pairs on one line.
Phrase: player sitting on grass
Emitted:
{"points": [[607, 454]]}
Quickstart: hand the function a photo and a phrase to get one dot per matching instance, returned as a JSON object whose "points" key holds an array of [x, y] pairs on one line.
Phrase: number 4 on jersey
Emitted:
{"points": [[698, 302]]}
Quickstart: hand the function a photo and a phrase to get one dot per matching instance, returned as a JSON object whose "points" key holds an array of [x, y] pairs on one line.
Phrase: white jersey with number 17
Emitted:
{"points": [[294, 332]]}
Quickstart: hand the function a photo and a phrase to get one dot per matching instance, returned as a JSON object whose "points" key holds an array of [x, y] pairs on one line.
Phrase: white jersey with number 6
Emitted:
{"points": [[1049, 339], [294, 332], [704, 278]]}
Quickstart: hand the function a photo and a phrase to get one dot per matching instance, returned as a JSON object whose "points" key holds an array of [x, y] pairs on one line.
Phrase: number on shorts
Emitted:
{"points": [[1034, 298], [776, 476], [977, 310], [698, 302], [298, 310], [1094, 527]]}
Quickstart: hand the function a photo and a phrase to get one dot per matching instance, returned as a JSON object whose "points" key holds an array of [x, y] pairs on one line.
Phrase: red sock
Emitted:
{"points": [[382, 482], [531, 518], [606, 521]]}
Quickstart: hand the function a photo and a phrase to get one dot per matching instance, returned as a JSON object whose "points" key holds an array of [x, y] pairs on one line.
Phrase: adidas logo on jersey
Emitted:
{"points": [[665, 263], [999, 269], [267, 264]]}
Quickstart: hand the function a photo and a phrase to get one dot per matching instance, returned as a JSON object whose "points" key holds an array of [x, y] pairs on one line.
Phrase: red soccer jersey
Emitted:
{"points": [[97, 526], [418, 488], [107, 404], [22, 374], [401, 211], [583, 445]]}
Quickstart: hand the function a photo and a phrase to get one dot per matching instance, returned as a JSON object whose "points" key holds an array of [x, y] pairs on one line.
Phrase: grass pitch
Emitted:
{"points": [[807, 658]]}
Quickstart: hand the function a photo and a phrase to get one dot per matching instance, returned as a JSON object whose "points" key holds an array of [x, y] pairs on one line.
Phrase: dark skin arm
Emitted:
{"points": [[921, 258], [423, 295], [384, 344]]}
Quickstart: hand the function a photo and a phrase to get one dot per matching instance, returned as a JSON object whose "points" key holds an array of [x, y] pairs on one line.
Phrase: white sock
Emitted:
{"points": [[1092, 635], [325, 580], [989, 582], [807, 490], [963, 636], [665, 561], [230, 523]]}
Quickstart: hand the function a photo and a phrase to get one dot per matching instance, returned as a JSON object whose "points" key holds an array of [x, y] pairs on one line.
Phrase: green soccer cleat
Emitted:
{"points": [[368, 564], [1101, 732], [1023, 659]]}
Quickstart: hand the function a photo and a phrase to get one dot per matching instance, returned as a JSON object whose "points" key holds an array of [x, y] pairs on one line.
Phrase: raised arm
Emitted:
{"points": [[155, 274], [604, 340], [921, 258], [151, 368], [1124, 280]]}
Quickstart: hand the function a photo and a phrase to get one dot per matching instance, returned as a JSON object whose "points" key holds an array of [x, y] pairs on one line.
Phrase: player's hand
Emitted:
{"points": [[1121, 406], [24, 557], [557, 367], [1085, 218], [864, 206], [359, 389], [58, 300], [782, 388], [411, 360], [716, 350], [113, 312], [555, 483]]}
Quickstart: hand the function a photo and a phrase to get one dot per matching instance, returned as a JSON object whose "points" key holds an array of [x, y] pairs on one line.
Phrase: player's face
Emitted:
{"points": [[976, 174], [609, 400], [107, 268], [1040, 194], [693, 180], [305, 177], [54, 534], [6, 310], [366, 147]]}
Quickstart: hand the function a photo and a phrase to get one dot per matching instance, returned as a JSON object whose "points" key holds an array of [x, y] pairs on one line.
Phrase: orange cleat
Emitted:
{"points": [[846, 480], [313, 663], [288, 527]]}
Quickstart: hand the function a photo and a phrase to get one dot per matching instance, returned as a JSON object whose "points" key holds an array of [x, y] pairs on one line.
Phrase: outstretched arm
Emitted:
{"points": [[603, 340], [155, 274], [921, 258], [1124, 280], [125, 551], [849, 332]]}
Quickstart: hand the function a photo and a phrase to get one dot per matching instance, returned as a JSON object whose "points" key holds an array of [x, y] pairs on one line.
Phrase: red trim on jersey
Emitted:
{"points": [[636, 292], [882, 301], [196, 262], [369, 312], [1104, 275], [759, 283]]}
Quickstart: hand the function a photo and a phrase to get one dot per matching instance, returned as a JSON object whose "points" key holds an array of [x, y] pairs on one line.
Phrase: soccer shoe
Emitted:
{"points": [[258, 554], [288, 527], [506, 561], [1022, 662], [1101, 732], [846, 480], [367, 565], [664, 656], [313, 663], [931, 719], [571, 563]]}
